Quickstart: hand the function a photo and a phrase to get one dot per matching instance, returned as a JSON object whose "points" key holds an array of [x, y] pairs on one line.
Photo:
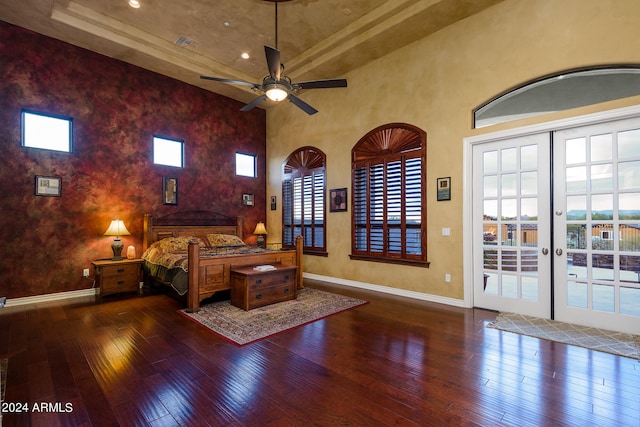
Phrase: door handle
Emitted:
{"points": [[545, 251], [558, 251]]}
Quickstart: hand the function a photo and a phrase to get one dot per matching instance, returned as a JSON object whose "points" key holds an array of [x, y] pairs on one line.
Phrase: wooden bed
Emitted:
{"points": [[210, 274]]}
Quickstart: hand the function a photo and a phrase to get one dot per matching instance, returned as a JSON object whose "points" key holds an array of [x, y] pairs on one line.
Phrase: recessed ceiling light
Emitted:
{"points": [[245, 55], [134, 4], [226, 23]]}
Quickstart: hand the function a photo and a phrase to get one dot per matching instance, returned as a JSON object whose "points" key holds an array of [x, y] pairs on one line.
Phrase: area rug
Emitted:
{"points": [[582, 336], [244, 327]]}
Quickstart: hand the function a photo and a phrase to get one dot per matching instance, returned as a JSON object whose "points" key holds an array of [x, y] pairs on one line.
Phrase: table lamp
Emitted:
{"points": [[261, 232], [117, 229]]}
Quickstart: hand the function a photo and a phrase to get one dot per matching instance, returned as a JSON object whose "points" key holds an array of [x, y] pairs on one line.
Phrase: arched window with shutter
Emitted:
{"points": [[389, 209], [303, 200]]}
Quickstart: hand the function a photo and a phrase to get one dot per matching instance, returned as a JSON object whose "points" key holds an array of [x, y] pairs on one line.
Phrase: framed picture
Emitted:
{"points": [[170, 190], [338, 200], [444, 188], [48, 186], [273, 203], [247, 199]]}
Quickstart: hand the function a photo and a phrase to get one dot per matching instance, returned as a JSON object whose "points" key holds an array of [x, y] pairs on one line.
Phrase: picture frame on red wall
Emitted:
{"points": [[170, 190], [48, 186]]}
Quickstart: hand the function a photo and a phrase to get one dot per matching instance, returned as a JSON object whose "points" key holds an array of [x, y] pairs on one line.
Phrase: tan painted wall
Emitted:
{"points": [[435, 84]]}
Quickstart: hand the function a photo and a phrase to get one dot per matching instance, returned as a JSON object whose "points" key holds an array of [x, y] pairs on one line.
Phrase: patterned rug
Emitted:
{"points": [[582, 336], [244, 327]]}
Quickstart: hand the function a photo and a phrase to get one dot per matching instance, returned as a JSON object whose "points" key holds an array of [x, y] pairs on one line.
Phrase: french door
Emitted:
{"points": [[596, 215], [511, 225], [560, 241]]}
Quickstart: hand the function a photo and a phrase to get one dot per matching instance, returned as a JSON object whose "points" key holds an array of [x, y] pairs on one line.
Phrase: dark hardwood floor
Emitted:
{"points": [[136, 362]]}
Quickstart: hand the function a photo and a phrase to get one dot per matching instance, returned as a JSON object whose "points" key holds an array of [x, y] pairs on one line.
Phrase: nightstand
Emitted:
{"points": [[114, 277]]}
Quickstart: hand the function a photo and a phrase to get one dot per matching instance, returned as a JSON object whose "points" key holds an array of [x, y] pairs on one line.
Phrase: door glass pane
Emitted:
{"points": [[576, 208], [509, 185], [576, 150], [509, 286], [490, 209], [529, 235], [490, 259], [490, 162], [576, 179], [628, 175], [629, 144], [529, 261], [509, 159], [577, 294], [529, 157], [509, 260], [602, 267], [529, 209], [603, 297], [490, 233], [577, 265], [629, 206], [630, 239], [490, 186], [529, 183], [602, 207], [602, 177], [576, 236], [602, 237], [491, 283], [509, 209], [601, 147], [529, 288], [509, 236], [630, 268], [630, 301]]}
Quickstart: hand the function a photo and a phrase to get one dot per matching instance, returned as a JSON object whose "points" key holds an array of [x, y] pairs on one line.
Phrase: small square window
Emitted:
{"points": [[46, 132], [168, 152], [245, 165]]}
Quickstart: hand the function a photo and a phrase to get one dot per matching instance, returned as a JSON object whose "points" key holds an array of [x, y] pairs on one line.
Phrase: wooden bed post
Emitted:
{"points": [[299, 245], [193, 294], [145, 233]]}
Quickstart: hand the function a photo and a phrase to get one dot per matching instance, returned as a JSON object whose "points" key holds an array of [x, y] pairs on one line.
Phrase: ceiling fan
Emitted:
{"points": [[278, 87]]}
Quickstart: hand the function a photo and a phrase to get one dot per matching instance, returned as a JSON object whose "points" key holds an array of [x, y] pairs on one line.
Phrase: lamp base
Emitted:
{"points": [[117, 247], [261, 242]]}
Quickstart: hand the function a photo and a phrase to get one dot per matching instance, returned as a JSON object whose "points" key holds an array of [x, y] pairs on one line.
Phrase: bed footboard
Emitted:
{"points": [[213, 274]]}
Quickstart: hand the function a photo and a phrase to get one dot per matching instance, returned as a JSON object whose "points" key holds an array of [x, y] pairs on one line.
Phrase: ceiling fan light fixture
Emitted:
{"points": [[276, 93]]}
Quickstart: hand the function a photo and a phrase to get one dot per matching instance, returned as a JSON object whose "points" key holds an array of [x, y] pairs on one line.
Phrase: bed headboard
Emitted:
{"points": [[189, 223]]}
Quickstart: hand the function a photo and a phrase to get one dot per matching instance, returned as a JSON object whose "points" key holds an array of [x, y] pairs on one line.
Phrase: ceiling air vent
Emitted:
{"points": [[186, 42]]}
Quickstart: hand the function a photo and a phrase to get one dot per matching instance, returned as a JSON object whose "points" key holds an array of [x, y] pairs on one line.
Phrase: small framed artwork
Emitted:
{"points": [[170, 190], [48, 186], [273, 203], [338, 200], [444, 188], [247, 199]]}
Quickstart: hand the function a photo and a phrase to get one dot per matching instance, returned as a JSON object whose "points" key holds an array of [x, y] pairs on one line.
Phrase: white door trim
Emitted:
{"points": [[469, 142]]}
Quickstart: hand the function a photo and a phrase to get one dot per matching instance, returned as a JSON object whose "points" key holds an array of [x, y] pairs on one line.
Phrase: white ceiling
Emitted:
{"points": [[318, 39]]}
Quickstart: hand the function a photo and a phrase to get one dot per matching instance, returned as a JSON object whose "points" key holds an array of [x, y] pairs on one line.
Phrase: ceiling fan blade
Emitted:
{"points": [[322, 84], [235, 82], [273, 61], [253, 103], [302, 105]]}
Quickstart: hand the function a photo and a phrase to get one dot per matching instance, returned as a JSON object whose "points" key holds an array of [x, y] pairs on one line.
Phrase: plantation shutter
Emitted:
{"points": [[389, 212]]}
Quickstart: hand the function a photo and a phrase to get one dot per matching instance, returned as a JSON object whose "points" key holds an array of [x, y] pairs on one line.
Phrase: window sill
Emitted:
{"points": [[411, 262], [316, 253]]}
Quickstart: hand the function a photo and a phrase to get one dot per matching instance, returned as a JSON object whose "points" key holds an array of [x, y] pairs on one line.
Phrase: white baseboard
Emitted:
{"points": [[386, 289], [38, 299]]}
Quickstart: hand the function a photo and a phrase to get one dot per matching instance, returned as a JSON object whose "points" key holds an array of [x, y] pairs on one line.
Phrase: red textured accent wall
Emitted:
{"points": [[116, 110]]}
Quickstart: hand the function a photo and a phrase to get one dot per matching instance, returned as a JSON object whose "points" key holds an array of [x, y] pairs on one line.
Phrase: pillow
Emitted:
{"points": [[173, 244], [225, 240]]}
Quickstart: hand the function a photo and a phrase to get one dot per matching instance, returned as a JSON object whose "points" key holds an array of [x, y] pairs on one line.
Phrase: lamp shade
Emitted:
{"points": [[117, 228], [260, 229]]}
